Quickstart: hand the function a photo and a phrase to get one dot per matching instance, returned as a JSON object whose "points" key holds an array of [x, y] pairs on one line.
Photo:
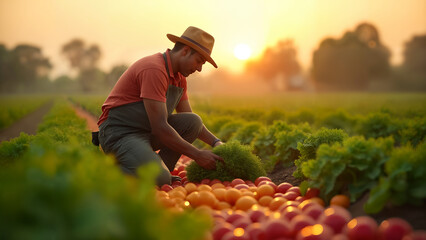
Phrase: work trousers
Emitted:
{"points": [[133, 149]]}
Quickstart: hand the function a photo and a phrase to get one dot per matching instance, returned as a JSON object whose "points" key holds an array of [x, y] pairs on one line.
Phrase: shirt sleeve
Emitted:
{"points": [[153, 84]]}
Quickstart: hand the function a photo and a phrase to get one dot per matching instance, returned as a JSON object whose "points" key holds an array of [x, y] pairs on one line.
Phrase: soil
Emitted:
{"points": [[89, 117], [28, 124], [415, 215], [282, 174]]}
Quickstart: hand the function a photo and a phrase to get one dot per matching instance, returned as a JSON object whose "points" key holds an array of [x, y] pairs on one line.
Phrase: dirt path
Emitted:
{"points": [[28, 124], [90, 118]]}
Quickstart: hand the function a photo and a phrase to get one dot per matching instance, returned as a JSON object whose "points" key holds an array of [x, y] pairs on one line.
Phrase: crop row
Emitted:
{"points": [[56, 185], [12, 108]]}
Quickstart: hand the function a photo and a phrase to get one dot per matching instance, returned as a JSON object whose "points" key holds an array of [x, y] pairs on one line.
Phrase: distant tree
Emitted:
{"points": [[115, 73], [23, 68], [64, 83], [91, 79], [85, 59], [351, 62], [276, 61], [415, 55], [411, 75]]}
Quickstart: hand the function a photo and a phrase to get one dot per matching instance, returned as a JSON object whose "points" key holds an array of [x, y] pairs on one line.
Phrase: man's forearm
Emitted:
{"points": [[206, 136]]}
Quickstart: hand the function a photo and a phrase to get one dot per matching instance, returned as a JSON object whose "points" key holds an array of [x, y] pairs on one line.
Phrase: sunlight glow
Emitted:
{"points": [[242, 51]]}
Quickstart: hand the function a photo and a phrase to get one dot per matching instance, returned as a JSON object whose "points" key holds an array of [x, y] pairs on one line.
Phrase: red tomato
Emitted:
{"points": [[362, 228], [335, 217], [277, 228], [314, 211], [255, 231], [241, 186], [205, 181], [290, 195], [259, 179], [283, 187], [300, 221], [294, 189], [182, 174], [394, 228], [256, 215], [181, 168], [312, 192], [237, 181], [214, 181], [221, 229]]}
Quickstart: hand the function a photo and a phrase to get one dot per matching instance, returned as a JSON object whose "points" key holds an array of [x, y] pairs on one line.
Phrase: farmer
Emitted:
{"points": [[137, 117]]}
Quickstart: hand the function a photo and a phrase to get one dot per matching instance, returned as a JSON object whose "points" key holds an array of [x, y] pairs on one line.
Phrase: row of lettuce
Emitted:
{"points": [[381, 152], [56, 185], [388, 160], [13, 108]]}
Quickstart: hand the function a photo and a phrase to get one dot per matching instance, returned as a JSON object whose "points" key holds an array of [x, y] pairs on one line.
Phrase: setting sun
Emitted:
{"points": [[242, 51]]}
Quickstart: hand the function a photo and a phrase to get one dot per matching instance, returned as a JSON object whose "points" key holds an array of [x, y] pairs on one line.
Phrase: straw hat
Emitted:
{"points": [[197, 39]]}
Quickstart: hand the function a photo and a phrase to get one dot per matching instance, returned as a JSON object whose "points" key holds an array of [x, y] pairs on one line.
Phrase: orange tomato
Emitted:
{"points": [[276, 203], [232, 195], [206, 198], [265, 201], [218, 185], [220, 205], [204, 187], [219, 193], [318, 200], [182, 189], [340, 200], [245, 202], [176, 194], [193, 198], [190, 187], [265, 190]]}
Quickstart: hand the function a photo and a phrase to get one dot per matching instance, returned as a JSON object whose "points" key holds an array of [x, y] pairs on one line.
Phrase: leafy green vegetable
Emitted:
{"points": [[245, 134], [228, 129], [239, 162], [354, 165], [264, 141], [381, 124], [309, 146], [286, 145], [403, 181]]}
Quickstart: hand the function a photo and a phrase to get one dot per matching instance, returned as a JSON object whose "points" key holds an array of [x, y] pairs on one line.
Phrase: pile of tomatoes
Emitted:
{"points": [[263, 210]]}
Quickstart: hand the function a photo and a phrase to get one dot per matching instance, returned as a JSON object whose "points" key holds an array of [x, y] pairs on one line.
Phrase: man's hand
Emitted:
{"points": [[207, 159]]}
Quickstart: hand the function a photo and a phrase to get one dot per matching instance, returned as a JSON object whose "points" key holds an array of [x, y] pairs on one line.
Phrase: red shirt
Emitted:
{"points": [[146, 78]]}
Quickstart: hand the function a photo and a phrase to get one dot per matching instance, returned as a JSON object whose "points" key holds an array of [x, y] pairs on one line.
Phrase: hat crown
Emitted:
{"points": [[199, 37]]}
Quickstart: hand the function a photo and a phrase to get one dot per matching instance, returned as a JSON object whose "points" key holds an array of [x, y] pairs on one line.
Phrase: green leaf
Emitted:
{"points": [[379, 195]]}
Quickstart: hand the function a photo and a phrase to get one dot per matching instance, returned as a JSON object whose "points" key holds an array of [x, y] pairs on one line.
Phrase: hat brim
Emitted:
{"points": [[206, 56]]}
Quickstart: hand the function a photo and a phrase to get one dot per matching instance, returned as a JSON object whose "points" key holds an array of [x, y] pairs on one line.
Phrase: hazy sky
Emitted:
{"points": [[126, 30]]}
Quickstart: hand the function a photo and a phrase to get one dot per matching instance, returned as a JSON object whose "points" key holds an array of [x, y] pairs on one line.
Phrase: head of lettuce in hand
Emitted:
{"points": [[239, 162]]}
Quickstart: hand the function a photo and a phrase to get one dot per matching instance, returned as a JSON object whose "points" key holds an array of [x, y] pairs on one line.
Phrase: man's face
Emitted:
{"points": [[191, 63]]}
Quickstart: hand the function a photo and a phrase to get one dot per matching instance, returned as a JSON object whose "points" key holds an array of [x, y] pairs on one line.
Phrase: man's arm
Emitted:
{"points": [[161, 129], [205, 135]]}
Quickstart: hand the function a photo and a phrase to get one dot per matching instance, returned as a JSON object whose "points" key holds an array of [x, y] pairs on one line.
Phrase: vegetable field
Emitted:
{"points": [[341, 150]]}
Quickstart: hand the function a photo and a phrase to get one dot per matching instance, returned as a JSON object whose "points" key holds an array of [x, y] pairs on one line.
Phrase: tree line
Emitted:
{"points": [[25, 69], [357, 61]]}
